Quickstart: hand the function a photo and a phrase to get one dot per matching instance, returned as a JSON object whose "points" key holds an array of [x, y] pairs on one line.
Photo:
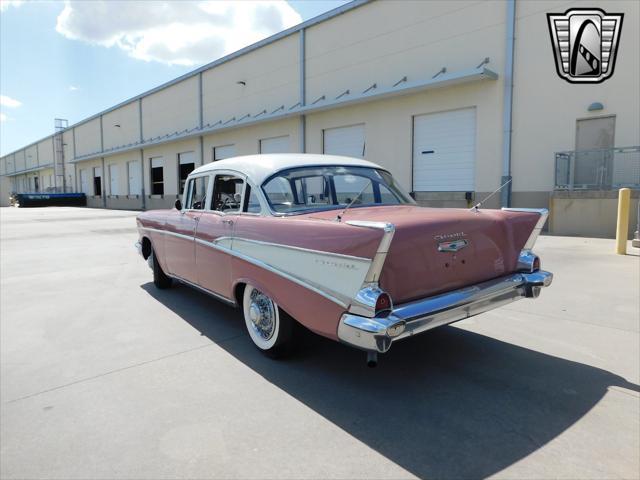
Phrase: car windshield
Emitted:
{"points": [[300, 190]]}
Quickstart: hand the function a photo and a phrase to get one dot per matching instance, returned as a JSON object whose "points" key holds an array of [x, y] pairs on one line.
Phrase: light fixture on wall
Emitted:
{"points": [[241, 82], [117, 125], [595, 106]]}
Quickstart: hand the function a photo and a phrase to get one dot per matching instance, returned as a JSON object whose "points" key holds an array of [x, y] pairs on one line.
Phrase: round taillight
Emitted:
{"points": [[383, 303]]}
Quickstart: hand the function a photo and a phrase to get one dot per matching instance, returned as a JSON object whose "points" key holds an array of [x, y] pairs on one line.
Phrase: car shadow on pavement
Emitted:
{"points": [[447, 404]]}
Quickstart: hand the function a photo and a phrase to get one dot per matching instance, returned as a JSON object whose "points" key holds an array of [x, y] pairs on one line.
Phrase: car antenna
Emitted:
{"points": [[339, 216], [477, 205]]}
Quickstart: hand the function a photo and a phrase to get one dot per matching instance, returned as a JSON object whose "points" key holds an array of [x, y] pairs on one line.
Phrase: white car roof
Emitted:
{"points": [[259, 167]]}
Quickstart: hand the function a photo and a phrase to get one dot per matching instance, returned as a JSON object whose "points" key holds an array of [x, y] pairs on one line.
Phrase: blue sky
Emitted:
{"points": [[71, 60]]}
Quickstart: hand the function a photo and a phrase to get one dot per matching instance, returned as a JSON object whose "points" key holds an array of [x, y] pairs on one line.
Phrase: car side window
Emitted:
{"points": [[227, 193], [196, 193], [252, 202]]}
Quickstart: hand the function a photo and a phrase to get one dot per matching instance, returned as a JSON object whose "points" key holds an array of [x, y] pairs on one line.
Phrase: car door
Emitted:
{"points": [[214, 233], [181, 229]]}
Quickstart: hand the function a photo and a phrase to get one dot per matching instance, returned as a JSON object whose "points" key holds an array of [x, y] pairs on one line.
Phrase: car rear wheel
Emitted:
{"points": [[160, 279], [269, 327]]}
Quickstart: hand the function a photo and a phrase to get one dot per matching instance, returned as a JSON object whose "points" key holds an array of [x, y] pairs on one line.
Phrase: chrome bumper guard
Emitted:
{"points": [[378, 333]]}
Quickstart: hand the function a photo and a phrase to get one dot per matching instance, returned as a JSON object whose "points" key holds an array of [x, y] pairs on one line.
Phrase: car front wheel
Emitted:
{"points": [[269, 327], [160, 279]]}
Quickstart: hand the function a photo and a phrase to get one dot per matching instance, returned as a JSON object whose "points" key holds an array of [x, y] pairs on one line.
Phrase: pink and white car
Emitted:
{"points": [[335, 244]]}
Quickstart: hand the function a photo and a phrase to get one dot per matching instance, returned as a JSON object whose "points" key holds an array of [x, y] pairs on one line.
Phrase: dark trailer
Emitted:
{"points": [[51, 199]]}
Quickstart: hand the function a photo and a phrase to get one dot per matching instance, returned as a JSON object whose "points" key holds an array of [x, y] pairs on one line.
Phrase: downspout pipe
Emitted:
{"points": [[303, 94], [505, 194]]}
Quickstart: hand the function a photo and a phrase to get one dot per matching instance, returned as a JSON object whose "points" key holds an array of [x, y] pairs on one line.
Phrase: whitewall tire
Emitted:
{"points": [[268, 326]]}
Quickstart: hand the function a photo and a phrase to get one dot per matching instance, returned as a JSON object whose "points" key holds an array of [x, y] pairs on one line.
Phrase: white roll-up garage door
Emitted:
{"points": [[275, 145], [133, 170], [224, 151], [444, 151], [348, 141], [113, 179], [84, 181]]}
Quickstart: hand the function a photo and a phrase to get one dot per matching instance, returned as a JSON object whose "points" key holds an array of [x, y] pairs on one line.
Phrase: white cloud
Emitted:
{"points": [[73, 88], [175, 32], [5, 4], [9, 102], [3, 117]]}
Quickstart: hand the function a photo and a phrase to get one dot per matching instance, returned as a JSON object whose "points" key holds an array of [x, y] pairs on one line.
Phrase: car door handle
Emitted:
{"points": [[228, 222]]}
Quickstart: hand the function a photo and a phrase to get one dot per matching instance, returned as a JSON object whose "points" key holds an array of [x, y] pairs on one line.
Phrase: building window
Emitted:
{"points": [[223, 151], [157, 176], [97, 181], [186, 165]]}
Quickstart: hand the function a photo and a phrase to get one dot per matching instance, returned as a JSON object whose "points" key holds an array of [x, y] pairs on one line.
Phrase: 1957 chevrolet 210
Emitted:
{"points": [[335, 244]]}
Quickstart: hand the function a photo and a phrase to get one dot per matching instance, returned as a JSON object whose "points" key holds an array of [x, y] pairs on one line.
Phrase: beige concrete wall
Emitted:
{"points": [[172, 109], [67, 146], [129, 130], [88, 137], [9, 162], [271, 75], [47, 179], [589, 217], [20, 159], [31, 157], [3, 165], [45, 152], [247, 140], [545, 107], [385, 40], [5, 191], [389, 124], [169, 152]]}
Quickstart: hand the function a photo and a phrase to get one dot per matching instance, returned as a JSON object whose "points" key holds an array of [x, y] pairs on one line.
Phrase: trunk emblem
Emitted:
{"points": [[452, 246]]}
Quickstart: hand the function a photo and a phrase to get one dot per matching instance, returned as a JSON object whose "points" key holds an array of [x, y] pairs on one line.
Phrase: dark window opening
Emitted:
{"points": [[157, 181], [184, 170], [97, 186]]}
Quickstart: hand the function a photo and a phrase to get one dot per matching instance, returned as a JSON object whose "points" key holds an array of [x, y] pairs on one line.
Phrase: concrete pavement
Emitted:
{"points": [[103, 376]]}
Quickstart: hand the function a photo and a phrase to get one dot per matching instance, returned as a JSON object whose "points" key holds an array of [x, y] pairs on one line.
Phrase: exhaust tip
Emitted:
{"points": [[372, 359]]}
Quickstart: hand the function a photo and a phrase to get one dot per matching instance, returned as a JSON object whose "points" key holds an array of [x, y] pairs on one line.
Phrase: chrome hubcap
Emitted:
{"points": [[262, 314]]}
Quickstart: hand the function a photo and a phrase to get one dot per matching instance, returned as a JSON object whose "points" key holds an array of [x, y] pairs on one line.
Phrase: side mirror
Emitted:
{"points": [[178, 204]]}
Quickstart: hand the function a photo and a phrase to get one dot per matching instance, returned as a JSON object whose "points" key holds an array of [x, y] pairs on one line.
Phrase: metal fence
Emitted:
{"points": [[603, 169]]}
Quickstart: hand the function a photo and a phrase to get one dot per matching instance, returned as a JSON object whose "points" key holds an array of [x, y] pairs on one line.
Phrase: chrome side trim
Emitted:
{"points": [[378, 333], [165, 232], [544, 214]]}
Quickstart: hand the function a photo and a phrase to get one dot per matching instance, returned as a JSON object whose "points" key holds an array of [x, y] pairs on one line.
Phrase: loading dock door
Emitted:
{"points": [[84, 181], [113, 179], [224, 151], [348, 141], [275, 145], [444, 151], [135, 185]]}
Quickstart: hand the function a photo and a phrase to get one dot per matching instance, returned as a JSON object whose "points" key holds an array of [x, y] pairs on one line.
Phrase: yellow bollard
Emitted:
{"points": [[622, 230]]}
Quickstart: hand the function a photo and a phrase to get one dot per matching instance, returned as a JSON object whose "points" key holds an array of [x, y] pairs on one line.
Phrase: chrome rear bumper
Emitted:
{"points": [[378, 333]]}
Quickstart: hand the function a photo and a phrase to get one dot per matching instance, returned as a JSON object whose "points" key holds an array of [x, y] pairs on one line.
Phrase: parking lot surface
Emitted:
{"points": [[103, 376]]}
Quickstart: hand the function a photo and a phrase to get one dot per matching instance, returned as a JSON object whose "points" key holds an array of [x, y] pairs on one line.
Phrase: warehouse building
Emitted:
{"points": [[454, 98]]}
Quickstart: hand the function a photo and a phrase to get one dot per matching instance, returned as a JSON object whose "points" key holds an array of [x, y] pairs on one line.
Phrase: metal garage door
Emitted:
{"points": [[275, 145], [224, 151], [444, 151], [347, 141], [113, 179], [84, 182], [133, 170]]}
